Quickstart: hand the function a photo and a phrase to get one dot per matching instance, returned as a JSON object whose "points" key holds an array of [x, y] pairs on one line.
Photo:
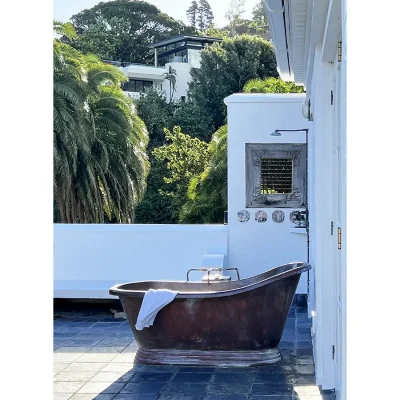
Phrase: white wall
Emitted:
{"points": [[255, 247], [89, 259], [183, 78]]}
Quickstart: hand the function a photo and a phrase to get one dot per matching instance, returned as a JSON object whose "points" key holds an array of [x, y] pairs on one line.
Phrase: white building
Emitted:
{"points": [[310, 43], [180, 54], [309, 38]]}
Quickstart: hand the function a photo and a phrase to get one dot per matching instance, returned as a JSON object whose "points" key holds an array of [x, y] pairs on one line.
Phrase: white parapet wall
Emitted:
{"points": [[255, 247], [90, 258]]}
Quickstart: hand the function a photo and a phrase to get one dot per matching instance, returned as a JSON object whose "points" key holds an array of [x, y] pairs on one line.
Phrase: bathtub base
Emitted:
{"points": [[234, 358]]}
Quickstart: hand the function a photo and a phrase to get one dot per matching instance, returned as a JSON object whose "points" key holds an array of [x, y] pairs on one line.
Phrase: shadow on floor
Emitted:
{"points": [[94, 353]]}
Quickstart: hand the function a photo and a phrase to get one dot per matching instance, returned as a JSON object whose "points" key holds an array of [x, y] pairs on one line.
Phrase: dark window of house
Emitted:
{"points": [[136, 85], [276, 175]]}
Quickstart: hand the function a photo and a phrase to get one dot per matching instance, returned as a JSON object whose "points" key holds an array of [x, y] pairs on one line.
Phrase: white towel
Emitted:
{"points": [[153, 302]]}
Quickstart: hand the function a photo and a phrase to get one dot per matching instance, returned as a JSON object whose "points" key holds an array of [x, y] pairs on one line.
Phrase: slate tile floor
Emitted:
{"points": [[93, 359]]}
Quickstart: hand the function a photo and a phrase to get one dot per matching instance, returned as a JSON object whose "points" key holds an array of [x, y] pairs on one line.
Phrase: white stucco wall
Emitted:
{"points": [[255, 247], [89, 259], [183, 78]]}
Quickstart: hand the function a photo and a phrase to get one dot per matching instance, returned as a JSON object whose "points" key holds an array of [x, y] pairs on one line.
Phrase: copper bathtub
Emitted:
{"points": [[226, 323]]}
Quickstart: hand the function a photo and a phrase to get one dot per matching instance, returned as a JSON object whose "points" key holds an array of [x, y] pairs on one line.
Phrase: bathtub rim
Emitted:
{"points": [[296, 270]]}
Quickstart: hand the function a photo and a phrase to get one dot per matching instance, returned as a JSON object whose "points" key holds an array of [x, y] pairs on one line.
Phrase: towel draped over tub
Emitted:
{"points": [[153, 302]]}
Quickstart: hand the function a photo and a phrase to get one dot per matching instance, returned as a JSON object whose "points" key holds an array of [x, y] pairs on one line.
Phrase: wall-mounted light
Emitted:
{"points": [[306, 110], [276, 133]]}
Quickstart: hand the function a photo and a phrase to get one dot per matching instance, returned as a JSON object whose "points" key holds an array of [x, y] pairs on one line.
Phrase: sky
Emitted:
{"points": [[64, 9]]}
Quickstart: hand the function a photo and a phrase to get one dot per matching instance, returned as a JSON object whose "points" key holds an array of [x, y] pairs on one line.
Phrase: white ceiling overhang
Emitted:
{"points": [[297, 26]]}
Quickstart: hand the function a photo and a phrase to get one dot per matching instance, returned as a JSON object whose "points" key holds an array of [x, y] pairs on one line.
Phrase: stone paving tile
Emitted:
{"points": [[117, 367], [185, 388], [195, 377], [66, 357], [68, 376], [115, 341], [67, 387], [130, 350], [226, 397], [62, 396], [106, 349], [111, 376], [127, 358], [276, 389], [141, 377], [196, 369], [144, 388], [78, 342], [70, 350], [180, 397], [139, 396], [85, 367], [59, 366], [96, 357], [271, 397], [101, 388], [93, 397]]}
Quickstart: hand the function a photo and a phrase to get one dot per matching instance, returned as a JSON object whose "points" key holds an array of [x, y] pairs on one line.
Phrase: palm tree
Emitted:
{"points": [[171, 77], [208, 192], [100, 164]]}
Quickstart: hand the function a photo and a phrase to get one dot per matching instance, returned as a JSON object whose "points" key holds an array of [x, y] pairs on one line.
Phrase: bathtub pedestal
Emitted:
{"points": [[233, 358]]}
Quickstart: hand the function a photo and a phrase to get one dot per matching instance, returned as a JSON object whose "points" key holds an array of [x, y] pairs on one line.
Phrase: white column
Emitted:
{"points": [[323, 268], [155, 57]]}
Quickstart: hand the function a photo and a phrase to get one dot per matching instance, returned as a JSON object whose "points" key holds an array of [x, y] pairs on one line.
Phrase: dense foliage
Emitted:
{"points": [[225, 68], [271, 85], [185, 158], [100, 163], [208, 191], [121, 30], [157, 206]]}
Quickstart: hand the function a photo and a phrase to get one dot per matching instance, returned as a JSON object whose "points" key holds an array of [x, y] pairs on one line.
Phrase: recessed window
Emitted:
{"points": [[276, 175], [137, 85]]}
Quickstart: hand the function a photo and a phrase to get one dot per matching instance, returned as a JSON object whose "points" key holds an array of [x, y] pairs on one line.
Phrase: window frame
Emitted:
{"points": [[254, 152]]}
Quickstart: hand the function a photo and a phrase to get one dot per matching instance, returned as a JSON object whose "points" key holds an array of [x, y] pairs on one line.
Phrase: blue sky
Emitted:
{"points": [[64, 9]]}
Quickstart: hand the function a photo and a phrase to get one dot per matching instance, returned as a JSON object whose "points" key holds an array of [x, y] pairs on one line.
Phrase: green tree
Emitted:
{"points": [[224, 69], [215, 32], [271, 85], [208, 191], [185, 158], [205, 15], [121, 30], [235, 10], [158, 113], [260, 21], [193, 120], [100, 164], [191, 14]]}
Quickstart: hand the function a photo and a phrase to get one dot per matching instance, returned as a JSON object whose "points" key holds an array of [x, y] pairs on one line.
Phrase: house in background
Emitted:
{"points": [[309, 38], [180, 53]]}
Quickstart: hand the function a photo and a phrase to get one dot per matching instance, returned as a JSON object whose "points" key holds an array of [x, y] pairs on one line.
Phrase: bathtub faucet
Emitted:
{"points": [[209, 270]]}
